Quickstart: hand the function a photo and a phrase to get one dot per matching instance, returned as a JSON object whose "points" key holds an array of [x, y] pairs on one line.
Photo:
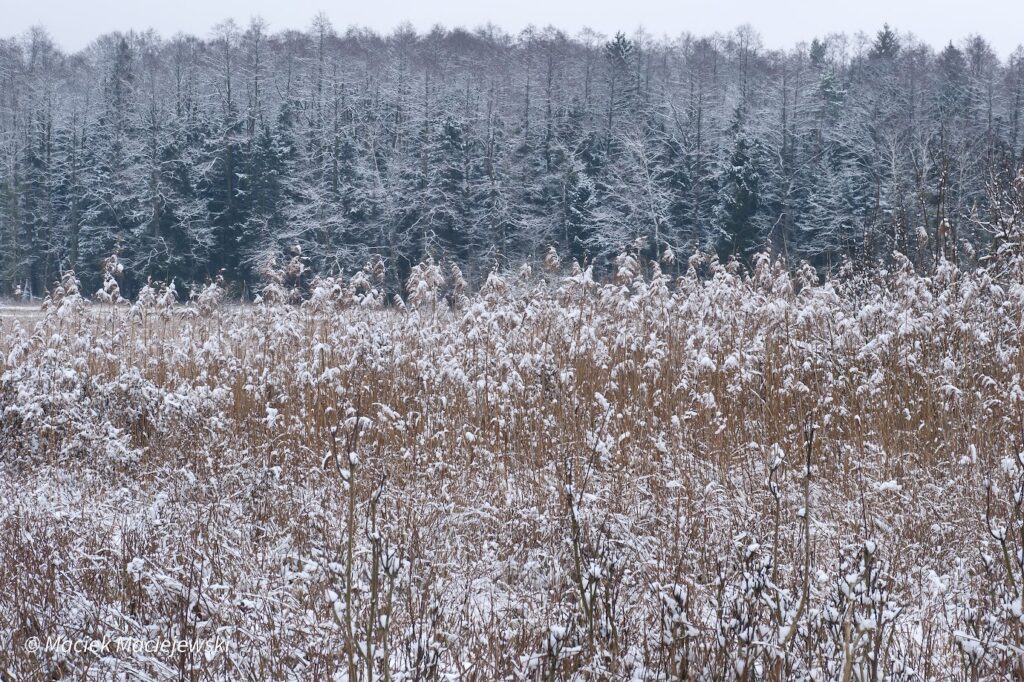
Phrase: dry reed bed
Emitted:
{"points": [[721, 477]]}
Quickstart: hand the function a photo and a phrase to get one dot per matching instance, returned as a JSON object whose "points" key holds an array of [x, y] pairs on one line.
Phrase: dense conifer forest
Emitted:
{"points": [[190, 156]]}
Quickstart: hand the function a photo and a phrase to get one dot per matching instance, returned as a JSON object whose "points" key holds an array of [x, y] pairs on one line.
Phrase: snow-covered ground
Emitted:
{"points": [[729, 477], [19, 311]]}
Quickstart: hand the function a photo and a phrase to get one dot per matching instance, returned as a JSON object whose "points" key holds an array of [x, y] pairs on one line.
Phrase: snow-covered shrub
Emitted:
{"points": [[733, 475]]}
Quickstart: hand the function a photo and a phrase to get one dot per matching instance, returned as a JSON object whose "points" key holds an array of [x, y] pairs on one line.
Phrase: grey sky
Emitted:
{"points": [[781, 23]]}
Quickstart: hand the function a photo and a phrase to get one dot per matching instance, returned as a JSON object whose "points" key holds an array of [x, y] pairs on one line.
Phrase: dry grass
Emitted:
{"points": [[724, 477]]}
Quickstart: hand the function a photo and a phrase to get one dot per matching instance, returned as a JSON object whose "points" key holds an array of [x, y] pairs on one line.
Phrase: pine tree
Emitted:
{"points": [[886, 45], [740, 234]]}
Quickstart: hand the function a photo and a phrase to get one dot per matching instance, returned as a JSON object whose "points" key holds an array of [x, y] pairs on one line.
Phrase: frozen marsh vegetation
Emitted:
{"points": [[714, 475]]}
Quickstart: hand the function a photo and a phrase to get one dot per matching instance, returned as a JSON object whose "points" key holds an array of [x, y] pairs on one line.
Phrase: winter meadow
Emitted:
{"points": [[328, 355]]}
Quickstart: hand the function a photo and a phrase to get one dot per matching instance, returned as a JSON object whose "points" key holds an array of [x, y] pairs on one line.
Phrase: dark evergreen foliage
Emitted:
{"points": [[192, 158]]}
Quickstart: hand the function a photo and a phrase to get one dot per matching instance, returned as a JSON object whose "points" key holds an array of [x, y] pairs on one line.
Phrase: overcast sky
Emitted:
{"points": [[781, 23]]}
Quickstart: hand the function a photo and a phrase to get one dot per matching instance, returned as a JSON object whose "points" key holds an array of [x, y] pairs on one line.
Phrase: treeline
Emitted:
{"points": [[190, 157]]}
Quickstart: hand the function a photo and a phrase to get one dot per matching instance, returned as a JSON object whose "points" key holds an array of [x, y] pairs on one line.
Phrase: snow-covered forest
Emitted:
{"points": [[463, 355], [192, 156]]}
